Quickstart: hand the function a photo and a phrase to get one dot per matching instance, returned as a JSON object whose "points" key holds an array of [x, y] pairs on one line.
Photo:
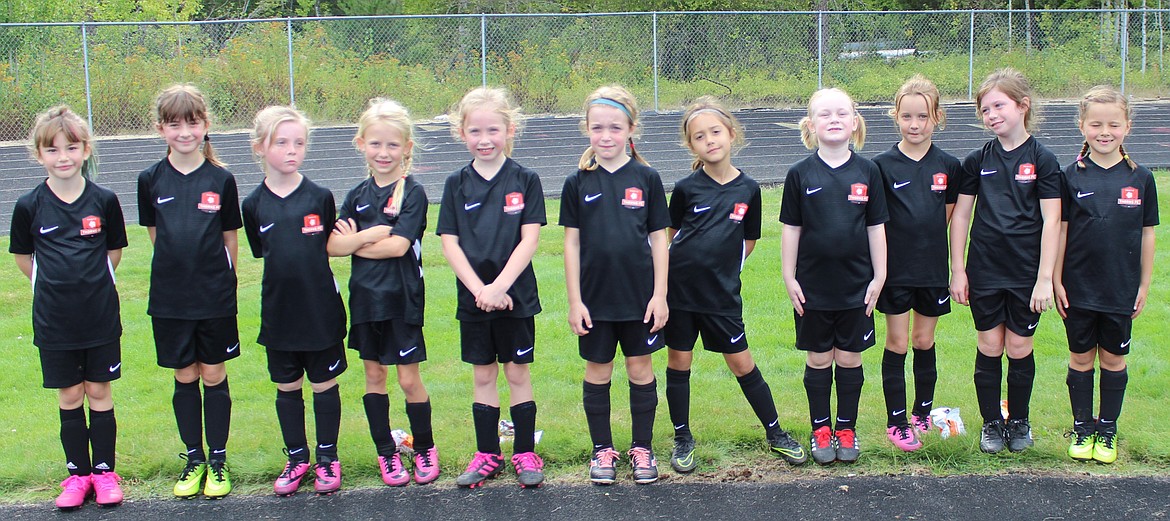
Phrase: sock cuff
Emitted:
{"points": [[219, 386], [290, 395], [523, 406], [646, 387], [332, 391], [95, 415], [892, 357], [188, 386], [850, 375], [1029, 359], [751, 377], [596, 388], [676, 375], [73, 414], [418, 405], [984, 361], [476, 406]]}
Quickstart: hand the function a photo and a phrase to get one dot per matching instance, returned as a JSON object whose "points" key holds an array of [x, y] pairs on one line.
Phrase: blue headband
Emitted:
{"points": [[612, 103]]}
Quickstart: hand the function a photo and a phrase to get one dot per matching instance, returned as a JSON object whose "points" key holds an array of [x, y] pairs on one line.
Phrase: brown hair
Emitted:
{"points": [[62, 120], [1103, 94], [1015, 86], [620, 96], [919, 85], [184, 102], [809, 138], [710, 105], [496, 100]]}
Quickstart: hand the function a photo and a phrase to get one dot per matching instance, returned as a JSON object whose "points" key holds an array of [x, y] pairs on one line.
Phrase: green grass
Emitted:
{"points": [[731, 445]]}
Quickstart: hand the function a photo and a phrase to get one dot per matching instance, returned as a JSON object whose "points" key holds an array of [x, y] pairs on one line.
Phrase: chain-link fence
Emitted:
{"points": [[330, 67]]}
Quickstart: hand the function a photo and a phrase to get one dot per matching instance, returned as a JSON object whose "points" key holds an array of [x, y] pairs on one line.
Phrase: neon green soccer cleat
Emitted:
{"points": [[219, 480], [191, 479]]}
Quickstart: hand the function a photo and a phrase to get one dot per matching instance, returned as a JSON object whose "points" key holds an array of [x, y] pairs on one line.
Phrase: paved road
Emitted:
{"points": [[1000, 498], [552, 145]]}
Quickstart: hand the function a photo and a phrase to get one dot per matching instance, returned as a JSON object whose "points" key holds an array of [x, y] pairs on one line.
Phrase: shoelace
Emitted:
{"points": [[74, 484], [482, 463], [824, 438], [1105, 439], [846, 438], [392, 464], [327, 467], [425, 456], [189, 467], [289, 468], [904, 432], [527, 461], [217, 468], [922, 423], [106, 483], [606, 457], [640, 457]]}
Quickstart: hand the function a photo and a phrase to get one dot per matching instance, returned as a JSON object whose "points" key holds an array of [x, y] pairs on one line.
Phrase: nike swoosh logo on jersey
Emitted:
{"points": [[1082, 195], [701, 209], [361, 207], [233, 349], [335, 364], [810, 191], [267, 227], [897, 412], [1126, 343], [470, 207], [1033, 325], [987, 172], [47, 230], [164, 200], [402, 353], [591, 198], [650, 341], [737, 338], [867, 335], [522, 352], [900, 185], [114, 368], [944, 300]]}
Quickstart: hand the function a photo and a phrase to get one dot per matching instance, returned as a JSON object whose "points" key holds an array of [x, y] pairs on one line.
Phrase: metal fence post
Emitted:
{"points": [[483, 49], [292, 95], [971, 55], [1124, 46], [820, 50], [654, 23], [85, 64]]}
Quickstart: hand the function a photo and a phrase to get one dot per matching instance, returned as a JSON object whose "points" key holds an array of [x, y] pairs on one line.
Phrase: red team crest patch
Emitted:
{"points": [[938, 182], [513, 203], [1026, 173], [209, 202], [859, 193], [389, 209], [739, 211], [312, 224], [91, 225], [1130, 197], [633, 198]]}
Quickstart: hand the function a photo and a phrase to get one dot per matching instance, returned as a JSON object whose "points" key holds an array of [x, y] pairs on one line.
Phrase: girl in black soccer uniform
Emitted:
{"points": [[190, 208], [302, 318], [834, 261], [1007, 276], [67, 235], [380, 225], [921, 184], [489, 221], [715, 222], [1103, 267], [616, 260]]}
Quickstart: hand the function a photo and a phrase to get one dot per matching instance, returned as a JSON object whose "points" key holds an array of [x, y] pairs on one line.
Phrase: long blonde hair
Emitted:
{"points": [[809, 138], [62, 120], [619, 96], [709, 105], [1103, 94], [265, 123], [184, 102], [393, 114], [496, 100]]}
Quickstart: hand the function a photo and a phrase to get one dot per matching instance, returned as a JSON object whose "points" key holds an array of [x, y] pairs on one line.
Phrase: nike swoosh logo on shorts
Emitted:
{"points": [[267, 227], [1033, 325], [737, 338], [1126, 343], [900, 185], [361, 207], [650, 341], [522, 352], [591, 198], [164, 200], [944, 300], [233, 349], [867, 335], [987, 172], [403, 353], [810, 191], [472, 206], [335, 364], [701, 209], [114, 368], [47, 230]]}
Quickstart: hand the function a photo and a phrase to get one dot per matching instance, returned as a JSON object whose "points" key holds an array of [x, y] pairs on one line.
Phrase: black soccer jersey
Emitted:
{"points": [[75, 302], [917, 195], [1005, 233], [191, 274], [833, 207], [300, 306], [487, 215], [615, 213], [1106, 209], [707, 251], [385, 289]]}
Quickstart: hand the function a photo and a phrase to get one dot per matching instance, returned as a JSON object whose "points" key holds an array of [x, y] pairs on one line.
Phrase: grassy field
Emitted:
{"points": [[731, 445]]}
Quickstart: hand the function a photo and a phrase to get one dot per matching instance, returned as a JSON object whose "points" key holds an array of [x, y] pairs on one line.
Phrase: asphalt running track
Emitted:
{"points": [[999, 498], [552, 146]]}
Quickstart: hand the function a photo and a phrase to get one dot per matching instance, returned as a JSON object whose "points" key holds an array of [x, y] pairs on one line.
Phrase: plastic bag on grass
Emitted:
{"points": [[947, 421]]}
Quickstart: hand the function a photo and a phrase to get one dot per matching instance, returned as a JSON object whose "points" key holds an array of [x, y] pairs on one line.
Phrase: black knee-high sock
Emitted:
{"points": [[1112, 394], [988, 378], [925, 378], [419, 415], [1021, 374], [327, 417], [643, 404], [759, 396], [818, 386], [524, 421], [377, 408], [75, 441], [595, 398], [217, 414], [103, 436], [849, 383], [487, 421], [1080, 395], [893, 387], [188, 404], [290, 414], [678, 400]]}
